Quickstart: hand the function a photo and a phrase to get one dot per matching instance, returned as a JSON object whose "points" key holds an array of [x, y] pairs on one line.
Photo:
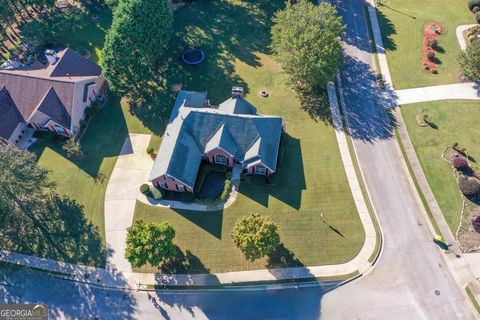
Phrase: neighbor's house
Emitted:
{"points": [[229, 134], [51, 96]]}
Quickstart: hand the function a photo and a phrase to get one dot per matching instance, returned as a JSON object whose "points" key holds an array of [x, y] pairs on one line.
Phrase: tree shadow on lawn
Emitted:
{"points": [[103, 138], [290, 180], [283, 258], [183, 263], [63, 233], [367, 106], [210, 221], [388, 29], [208, 25]]}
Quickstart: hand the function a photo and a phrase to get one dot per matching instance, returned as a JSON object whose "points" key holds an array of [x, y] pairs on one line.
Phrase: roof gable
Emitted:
{"points": [[237, 105], [53, 107], [222, 139], [73, 64], [10, 117]]}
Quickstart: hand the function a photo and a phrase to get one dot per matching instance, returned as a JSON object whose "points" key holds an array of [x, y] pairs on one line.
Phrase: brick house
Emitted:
{"points": [[48, 97], [230, 134]]}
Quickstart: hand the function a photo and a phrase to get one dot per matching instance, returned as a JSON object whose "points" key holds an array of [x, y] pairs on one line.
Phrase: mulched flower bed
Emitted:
{"points": [[431, 35]]}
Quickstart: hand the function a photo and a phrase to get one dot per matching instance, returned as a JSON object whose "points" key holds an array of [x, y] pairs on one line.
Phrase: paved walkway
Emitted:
{"points": [[131, 170], [467, 91], [236, 172]]}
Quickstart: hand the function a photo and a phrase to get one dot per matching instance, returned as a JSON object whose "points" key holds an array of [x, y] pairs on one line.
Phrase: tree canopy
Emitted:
{"points": [[134, 45], [470, 61], [306, 41], [149, 243], [34, 219], [256, 236]]}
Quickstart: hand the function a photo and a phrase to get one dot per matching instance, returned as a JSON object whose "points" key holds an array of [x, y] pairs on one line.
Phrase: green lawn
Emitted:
{"points": [[311, 176], [402, 23], [457, 121]]}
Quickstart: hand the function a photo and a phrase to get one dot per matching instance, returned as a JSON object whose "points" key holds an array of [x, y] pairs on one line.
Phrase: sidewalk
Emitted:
{"points": [[198, 206], [467, 91]]}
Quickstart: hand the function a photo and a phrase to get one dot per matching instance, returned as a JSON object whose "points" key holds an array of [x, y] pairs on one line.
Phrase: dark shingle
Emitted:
{"points": [[10, 117], [73, 64], [53, 107]]}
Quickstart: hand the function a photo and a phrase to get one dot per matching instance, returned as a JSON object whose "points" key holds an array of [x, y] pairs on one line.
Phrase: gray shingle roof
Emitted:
{"points": [[237, 105], [193, 131], [222, 139], [53, 107], [73, 64], [10, 117]]}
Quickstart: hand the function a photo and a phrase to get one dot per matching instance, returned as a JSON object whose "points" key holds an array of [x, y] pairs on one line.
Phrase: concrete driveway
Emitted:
{"points": [[131, 170]]}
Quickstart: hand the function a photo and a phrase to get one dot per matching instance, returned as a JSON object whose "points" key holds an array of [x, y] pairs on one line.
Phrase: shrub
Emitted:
{"points": [[475, 9], [435, 71], [432, 43], [473, 3], [156, 194], [469, 187], [89, 112], [150, 150], [83, 123], [470, 61], [226, 191], [476, 224], [73, 148], [430, 55], [455, 145], [145, 189], [426, 67], [477, 17], [459, 162], [96, 105]]}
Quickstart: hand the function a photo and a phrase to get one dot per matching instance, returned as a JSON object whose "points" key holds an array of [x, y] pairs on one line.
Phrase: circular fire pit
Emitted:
{"points": [[193, 56]]}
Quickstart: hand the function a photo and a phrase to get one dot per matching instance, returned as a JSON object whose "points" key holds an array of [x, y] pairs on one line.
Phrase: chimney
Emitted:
{"points": [[51, 56], [237, 92]]}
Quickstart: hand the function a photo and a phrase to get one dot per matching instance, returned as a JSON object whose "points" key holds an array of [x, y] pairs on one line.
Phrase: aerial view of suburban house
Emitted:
{"points": [[230, 134], [47, 96]]}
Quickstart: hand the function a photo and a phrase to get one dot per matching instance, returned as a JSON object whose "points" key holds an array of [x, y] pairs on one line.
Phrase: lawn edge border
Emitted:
{"points": [[475, 304]]}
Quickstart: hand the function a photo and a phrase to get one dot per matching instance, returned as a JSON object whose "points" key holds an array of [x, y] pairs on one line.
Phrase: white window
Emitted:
{"points": [[221, 159], [163, 185], [180, 187], [41, 127], [260, 170]]}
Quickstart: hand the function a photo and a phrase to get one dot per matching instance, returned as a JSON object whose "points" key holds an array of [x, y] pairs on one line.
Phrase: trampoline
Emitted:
{"points": [[193, 56]]}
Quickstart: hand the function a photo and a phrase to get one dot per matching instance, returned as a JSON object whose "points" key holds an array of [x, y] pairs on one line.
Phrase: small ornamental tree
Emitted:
{"points": [[149, 243], [306, 41], [469, 187], [470, 61], [73, 148], [459, 162], [256, 236], [476, 224]]}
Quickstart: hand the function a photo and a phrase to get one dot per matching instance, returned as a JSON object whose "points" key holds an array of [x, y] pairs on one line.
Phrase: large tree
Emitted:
{"points": [[470, 61], [256, 236], [134, 45], [35, 220], [306, 41], [149, 243]]}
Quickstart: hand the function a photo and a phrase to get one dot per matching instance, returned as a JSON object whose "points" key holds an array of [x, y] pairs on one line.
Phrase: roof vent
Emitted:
{"points": [[51, 56], [237, 92]]}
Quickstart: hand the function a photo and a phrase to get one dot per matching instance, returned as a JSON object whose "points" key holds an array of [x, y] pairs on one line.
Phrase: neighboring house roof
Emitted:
{"points": [[53, 107], [195, 131], [49, 88], [10, 117], [237, 105]]}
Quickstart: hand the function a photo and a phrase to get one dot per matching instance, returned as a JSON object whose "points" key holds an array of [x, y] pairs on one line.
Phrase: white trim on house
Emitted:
{"points": [[260, 170], [181, 187], [221, 159]]}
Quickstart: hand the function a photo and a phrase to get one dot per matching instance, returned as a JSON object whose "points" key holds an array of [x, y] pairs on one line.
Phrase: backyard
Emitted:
{"points": [[311, 176], [454, 121], [402, 23]]}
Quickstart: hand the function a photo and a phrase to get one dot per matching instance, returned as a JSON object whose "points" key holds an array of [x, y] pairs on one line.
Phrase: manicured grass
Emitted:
{"points": [[402, 23], [473, 299], [311, 176], [457, 121]]}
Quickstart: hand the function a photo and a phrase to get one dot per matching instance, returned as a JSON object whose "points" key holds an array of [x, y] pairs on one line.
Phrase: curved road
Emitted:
{"points": [[410, 281]]}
